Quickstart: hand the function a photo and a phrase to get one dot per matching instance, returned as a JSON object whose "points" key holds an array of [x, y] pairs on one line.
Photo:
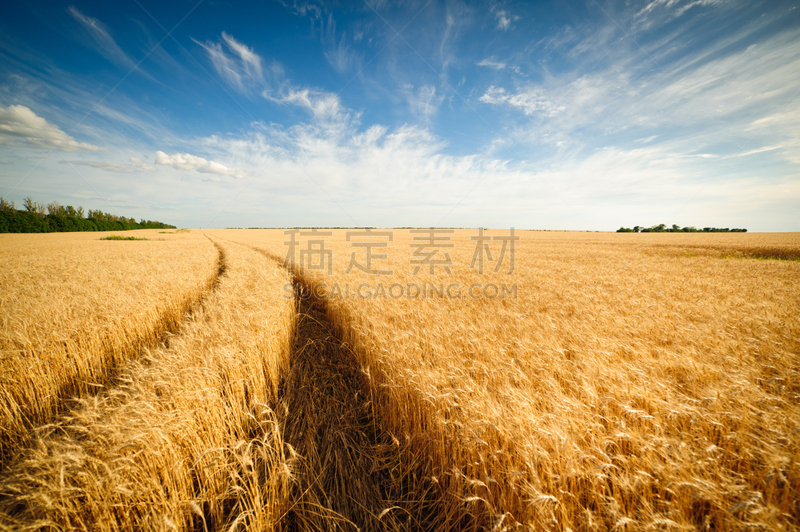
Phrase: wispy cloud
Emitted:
{"points": [[423, 102], [135, 165], [339, 54], [586, 120], [504, 19], [662, 11], [186, 161], [19, 126], [530, 100], [103, 43], [490, 63], [110, 120], [609, 186], [239, 65], [720, 98], [138, 163], [241, 68]]}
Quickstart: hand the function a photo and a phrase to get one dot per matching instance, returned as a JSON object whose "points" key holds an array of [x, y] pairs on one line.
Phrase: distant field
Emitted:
{"points": [[599, 381]]}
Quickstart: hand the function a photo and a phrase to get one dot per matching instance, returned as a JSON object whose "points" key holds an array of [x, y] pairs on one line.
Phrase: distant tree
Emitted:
{"points": [[53, 217], [662, 228]]}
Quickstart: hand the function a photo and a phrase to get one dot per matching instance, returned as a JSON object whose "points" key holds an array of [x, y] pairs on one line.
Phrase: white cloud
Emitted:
{"points": [[662, 11], [326, 108], [240, 66], [753, 152], [721, 105], [19, 126], [186, 161], [135, 165], [102, 165], [138, 163], [103, 42], [531, 100], [492, 64], [417, 179], [504, 19], [424, 101], [245, 74], [340, 56]]}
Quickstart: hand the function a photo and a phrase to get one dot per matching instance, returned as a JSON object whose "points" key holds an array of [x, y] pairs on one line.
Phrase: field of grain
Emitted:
{"points": [[595, 382], [72, 307], [183, 437], [634, 383]]}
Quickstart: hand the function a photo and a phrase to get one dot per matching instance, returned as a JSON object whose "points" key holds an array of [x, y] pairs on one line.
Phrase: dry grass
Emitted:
{"points": [[623, 389], [185, 438], [73, 307]]}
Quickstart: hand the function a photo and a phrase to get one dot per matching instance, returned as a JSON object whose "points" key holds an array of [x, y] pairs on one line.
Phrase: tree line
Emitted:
{"points": [[662, 228], [53, 217]]}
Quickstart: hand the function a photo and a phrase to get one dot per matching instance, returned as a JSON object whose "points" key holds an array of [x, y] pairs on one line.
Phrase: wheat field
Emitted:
{"points": [[73, 307], [183, 437], [611, 382]]}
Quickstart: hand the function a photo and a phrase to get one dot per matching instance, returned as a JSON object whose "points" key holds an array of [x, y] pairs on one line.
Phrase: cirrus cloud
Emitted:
{"points": [[135, 165], [530, 100]]}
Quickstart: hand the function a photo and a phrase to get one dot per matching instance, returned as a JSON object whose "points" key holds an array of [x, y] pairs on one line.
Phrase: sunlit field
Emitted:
{"points": [[340, 379], [72, 307]]}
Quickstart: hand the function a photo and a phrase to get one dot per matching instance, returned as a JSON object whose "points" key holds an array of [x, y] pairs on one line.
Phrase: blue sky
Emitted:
{"points": [[542, 115]]}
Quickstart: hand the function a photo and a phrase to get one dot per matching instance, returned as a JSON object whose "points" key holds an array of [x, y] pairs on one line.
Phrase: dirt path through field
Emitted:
{"points": [[352, 470], [353, 474]]}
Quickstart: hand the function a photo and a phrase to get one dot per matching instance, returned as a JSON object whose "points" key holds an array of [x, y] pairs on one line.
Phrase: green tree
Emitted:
{"points": [[6, 206]]}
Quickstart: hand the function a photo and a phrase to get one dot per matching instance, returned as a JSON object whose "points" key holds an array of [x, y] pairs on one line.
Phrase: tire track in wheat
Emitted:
{"points": [[354, 474], [25, 406]]}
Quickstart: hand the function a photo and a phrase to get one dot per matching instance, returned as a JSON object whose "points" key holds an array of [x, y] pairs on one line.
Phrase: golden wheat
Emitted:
{"points": [[628, 382], [185, 439], [72, 307], [627, 387]]}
